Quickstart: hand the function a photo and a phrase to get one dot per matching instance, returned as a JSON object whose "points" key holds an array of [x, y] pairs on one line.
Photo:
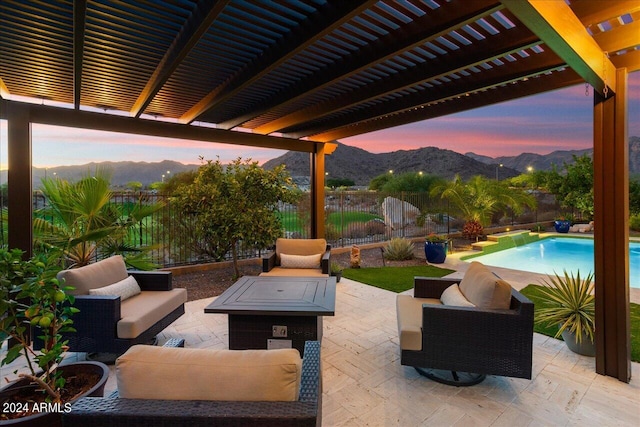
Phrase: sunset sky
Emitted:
{"points": [[559, 120]]}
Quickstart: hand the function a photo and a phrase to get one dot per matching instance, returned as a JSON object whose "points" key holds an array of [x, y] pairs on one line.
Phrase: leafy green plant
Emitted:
{"points": [[569, 303], [335, 268], [32, 296], [435, 238], [80, 221], [234, 203], [399, 249]]}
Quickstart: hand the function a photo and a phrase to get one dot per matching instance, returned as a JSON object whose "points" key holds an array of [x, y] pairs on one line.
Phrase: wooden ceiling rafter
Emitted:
{"points": [[190, 34], [418, 33], [483, 51], [595, 12], [293, 43], [509, 92], [523, 69], [559, 28], [79, 19]]}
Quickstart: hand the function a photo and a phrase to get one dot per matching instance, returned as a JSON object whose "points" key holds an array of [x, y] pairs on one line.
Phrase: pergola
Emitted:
{"points": [[301, 74]]}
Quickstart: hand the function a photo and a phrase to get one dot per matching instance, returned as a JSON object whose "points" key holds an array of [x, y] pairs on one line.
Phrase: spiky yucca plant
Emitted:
{"points": [[569, 303], [398, 249]]}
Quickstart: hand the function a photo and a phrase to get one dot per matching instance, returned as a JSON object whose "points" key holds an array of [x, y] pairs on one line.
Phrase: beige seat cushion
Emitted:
{"points": [[409, 313], [149, 372], [294, 272], [485, 290], [299, 247], [142, 311], [96, 275]]}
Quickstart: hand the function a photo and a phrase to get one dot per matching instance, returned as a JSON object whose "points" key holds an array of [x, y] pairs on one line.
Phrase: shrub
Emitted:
{"points": [[634, 222], [472, 230], [398, 249]]}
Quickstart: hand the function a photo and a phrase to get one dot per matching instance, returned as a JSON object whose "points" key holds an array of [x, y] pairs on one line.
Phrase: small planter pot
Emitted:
{"points": [[586, 346], [562, 226], [436, 252], [53, 418]]}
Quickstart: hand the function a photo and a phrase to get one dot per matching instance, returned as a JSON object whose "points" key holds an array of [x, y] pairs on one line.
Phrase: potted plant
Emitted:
{"points": [[435, 248], [562, 225], [32, 297], [336, 271], [569, 303]]}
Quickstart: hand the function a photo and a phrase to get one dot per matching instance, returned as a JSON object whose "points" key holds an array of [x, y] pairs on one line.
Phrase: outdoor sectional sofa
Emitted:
{"points": [[174, 381]]}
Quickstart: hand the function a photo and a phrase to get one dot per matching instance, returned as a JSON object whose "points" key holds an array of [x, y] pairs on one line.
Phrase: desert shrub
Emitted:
{"points": [[634, 222], [398, 249]]}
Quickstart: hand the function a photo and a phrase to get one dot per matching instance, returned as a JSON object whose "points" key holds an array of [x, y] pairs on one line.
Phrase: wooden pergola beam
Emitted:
{"points": [[79, 14], [111, 123], [561, 30]]}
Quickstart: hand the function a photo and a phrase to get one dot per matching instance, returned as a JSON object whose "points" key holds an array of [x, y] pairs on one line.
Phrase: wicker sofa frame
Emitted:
{"points": [[114, 411], [96, 322], [472, 340]]}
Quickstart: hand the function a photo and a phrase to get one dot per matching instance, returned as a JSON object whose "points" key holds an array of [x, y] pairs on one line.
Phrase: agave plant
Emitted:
{"points": [[570, 304], [81, 222]]}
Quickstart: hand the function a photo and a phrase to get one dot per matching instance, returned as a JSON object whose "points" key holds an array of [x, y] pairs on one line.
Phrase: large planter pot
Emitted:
{"points": [[436, 252], [51, 414], [562, 226], [586, 346]]}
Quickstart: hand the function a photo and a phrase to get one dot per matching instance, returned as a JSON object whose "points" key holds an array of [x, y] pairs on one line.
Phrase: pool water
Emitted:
{"points": [[556, 255]]}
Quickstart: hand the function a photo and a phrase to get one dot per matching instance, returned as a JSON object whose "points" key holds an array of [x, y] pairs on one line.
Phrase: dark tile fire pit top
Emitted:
{"points": [[289, 296]]}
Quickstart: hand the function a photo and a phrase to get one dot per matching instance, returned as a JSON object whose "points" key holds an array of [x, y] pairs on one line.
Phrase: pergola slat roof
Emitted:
{"points": [[305, 69]]}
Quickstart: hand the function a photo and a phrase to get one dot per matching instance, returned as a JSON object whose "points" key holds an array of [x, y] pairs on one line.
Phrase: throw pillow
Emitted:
{"points": [[453, 297], [484, 289], [124, 289], [300, 261]]}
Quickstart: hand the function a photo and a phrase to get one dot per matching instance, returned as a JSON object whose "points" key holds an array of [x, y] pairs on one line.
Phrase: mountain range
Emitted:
{"points": [[350, 162]]}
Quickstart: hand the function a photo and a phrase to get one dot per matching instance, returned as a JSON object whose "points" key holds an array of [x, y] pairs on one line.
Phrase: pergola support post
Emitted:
{"points": [[317, 191], [20, 205], [611, 234]]}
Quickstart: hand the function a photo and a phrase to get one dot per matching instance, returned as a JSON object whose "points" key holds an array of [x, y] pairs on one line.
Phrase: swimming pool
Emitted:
{"points": [[557, 254]]}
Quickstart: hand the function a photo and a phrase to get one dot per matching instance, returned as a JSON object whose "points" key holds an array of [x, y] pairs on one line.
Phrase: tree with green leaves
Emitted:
{"points": [[411, 182], [339, 182], [134, 185], [80, 221], [480, 198], [234, 203], [573, 187]]}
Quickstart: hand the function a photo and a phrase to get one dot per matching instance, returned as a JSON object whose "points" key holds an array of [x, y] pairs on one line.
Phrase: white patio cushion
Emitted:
{"points": [[300, 261], [125, 289], [453, 297]]}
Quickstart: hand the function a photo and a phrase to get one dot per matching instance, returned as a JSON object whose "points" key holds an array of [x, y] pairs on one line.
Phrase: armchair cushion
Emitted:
{"points": [[148, 372], [452, 296], [484, 289], [409, 312], [141, 312], [300, 261], [125, 289], [96, 275], [300, 247]]}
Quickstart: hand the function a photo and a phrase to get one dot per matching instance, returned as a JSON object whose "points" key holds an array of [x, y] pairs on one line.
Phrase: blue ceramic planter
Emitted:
{"points": [[562, 226], [435, 252]]}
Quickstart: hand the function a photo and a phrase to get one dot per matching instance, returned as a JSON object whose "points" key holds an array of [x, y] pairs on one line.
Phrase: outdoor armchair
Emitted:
{"points": [[112, 316], [465, 342], [297, 257]]}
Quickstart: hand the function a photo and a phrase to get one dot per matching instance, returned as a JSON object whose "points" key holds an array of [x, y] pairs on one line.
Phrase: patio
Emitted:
{"points": [[364, 383]]}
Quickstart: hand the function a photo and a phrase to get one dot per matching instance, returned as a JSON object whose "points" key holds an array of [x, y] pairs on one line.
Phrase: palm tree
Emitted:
{"points": [[80, 221], [480, 198]]}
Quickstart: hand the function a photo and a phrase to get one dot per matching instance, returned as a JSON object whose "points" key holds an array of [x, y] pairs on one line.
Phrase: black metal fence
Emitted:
{"points": [[351, 217]]}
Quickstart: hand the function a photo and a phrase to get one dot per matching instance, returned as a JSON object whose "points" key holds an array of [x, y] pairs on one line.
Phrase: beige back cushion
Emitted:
{"points": [[300, 247], [485, 290], [148, 372], [96, 275]]}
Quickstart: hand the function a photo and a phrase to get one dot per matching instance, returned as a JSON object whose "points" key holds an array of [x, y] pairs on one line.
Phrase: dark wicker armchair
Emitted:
{"points": [[273, 265], [469, 343], [114, 411]]}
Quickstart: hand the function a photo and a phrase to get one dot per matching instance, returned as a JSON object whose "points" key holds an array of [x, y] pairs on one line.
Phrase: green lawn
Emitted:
{"points": [[533, 293], [291, 222], [396, 279]]}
